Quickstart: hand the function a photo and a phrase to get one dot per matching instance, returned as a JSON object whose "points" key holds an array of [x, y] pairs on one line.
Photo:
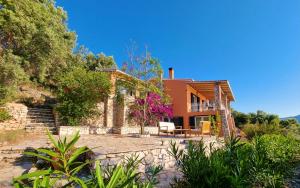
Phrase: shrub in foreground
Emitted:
{"points": [[65, 168], [263, 162]]}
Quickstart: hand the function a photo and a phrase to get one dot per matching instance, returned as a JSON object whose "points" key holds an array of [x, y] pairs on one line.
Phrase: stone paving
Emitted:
{"points": [[101, 144]]}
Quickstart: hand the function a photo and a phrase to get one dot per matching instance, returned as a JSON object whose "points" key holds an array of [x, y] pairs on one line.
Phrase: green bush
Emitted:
{"points": [[263, 162], [4, 115], [79, 91], [202, 170], [252, 130], [66, 167], [281, 150], [11, 76]]}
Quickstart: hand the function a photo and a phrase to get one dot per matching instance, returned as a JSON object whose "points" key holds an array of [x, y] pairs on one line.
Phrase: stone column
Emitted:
{"points": [[109, 103], [218, 96], [226, 102], [218, 100]]}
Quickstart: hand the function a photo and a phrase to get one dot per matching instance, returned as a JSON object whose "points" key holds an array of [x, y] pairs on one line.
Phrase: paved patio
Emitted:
{"points": [[106, 143], [102, 144]]}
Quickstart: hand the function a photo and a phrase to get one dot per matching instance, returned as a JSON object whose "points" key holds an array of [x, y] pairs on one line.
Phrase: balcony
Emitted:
{"points": [[197, 107]]}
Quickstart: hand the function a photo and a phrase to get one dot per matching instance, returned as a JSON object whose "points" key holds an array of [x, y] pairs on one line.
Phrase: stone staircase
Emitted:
{"points": [[39, 120]]}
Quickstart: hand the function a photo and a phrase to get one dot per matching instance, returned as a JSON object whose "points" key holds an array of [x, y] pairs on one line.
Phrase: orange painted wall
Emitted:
{"points": [[176, 89], [180, 94]]}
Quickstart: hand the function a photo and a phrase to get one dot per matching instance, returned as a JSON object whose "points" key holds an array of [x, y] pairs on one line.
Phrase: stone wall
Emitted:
{"points": [[155, 156], [98, 119], [121, 111], [135, 130], [71, 130], [18, 113], [101, 130], [225, 126], [83, 130]]}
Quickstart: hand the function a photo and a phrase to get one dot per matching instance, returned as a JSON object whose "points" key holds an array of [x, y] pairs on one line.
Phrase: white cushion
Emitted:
{"points": [[166, 126]]}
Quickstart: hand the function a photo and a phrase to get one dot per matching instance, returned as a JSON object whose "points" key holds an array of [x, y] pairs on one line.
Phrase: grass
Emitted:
{"points": [[4, 115], [12, 136]]}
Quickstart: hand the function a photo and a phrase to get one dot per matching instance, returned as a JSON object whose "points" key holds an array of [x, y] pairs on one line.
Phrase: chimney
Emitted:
{"points": [[171, 73]]}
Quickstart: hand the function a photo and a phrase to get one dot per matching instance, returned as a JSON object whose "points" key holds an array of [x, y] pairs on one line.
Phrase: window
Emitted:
{"points": [[178, 121]]}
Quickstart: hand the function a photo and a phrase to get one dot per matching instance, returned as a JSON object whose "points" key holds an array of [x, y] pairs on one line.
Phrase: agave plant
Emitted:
{"points": [[66, 166], [63, 159], [40, 179], [124, 175]]}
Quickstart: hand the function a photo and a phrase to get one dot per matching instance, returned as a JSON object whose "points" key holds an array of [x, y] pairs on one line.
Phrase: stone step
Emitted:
{"points": [[40, 117], [36, 108], [40, 113], [41, 124], [40, 129], [40, 121]]}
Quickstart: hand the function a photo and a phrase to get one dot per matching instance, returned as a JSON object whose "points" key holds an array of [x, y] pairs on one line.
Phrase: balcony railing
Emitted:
{"points": [[196, 107]]}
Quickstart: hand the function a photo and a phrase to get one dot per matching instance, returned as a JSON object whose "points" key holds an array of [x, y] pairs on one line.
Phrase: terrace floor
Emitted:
{"points": [[102, 144]]}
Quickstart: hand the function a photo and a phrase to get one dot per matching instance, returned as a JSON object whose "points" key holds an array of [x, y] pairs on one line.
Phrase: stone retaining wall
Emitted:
{"points": [[18, 113], [156, 156], [71, 130], [135, 130], [83, 130]]}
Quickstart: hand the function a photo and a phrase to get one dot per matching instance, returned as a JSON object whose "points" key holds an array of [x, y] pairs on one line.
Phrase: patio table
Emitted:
{"points": [[182, 131]]}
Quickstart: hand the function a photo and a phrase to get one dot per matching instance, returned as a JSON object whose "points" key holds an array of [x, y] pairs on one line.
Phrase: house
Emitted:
{"points": [[194, 101], [113, 112]]}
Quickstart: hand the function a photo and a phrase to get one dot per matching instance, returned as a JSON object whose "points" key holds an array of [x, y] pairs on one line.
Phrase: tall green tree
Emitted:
{"points": [[146, 68], [148, 71], [11, 76], [36, 31], [79, 91]]}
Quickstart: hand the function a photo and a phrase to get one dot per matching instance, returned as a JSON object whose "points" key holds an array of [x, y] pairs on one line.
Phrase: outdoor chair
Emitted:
{"points": [[206, 127], [197, 130], [168, 127]]}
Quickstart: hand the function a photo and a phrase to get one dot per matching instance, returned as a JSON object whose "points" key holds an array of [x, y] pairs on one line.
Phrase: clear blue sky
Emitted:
{"points": [[255, 44]]}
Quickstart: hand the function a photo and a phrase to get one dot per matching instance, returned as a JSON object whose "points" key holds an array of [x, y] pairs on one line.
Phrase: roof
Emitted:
{"points": [[208, 87], [119, 73]]}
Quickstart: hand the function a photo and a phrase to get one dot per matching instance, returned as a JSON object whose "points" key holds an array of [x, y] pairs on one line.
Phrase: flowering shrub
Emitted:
{"points": [[150, 110]]}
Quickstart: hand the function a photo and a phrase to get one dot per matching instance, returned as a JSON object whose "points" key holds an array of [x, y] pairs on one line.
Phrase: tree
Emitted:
{"points": [[240, 118], [146, 68], [259, 118], [150, 110], [289, 123], [36, 32], [100, 61], [11, 76], [148, 72], [79, 91]]}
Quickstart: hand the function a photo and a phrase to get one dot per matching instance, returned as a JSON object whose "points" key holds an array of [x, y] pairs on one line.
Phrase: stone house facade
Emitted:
{"points": [[113, 113], [195, 101]]}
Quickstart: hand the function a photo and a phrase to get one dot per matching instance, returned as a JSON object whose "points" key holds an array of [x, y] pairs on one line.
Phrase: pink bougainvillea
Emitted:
{"points": [[150, 110]]}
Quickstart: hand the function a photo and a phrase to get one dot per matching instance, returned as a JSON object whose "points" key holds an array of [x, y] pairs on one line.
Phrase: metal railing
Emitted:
{"points": [[196, 107]]}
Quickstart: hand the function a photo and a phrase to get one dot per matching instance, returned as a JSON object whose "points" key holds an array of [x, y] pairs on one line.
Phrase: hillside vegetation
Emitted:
{"points": [[260, 123], [293, 117], [38, 55], [36, 46]]}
